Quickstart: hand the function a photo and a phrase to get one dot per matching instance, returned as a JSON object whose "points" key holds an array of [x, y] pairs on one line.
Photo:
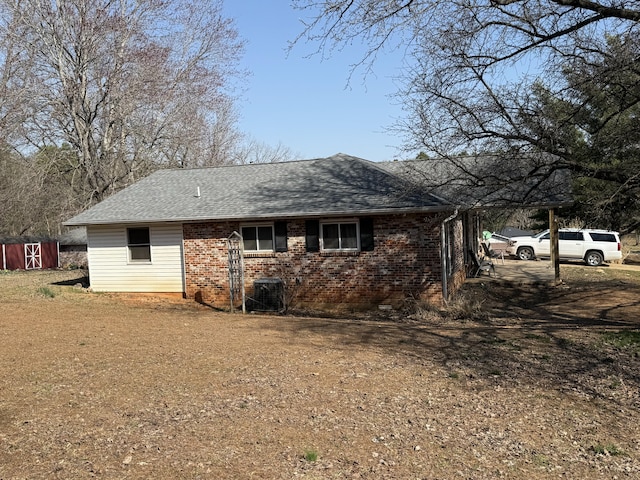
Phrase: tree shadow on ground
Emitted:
{"points": [[549, 336]]}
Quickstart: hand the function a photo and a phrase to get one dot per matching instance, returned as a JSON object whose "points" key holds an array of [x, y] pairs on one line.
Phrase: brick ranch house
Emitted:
{"points": [[337, 231]]}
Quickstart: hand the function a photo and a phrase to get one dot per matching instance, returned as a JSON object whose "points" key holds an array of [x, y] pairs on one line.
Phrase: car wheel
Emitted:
{"points": [[593, 259], [526, 253]]}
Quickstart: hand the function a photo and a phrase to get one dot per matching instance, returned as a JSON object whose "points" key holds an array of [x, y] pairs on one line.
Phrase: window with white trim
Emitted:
{"points": [[139, 244], [340, 236], [258, 238]]}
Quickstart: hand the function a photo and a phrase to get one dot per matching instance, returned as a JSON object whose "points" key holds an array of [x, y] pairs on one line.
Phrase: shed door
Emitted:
{"points": [[32, 257]]}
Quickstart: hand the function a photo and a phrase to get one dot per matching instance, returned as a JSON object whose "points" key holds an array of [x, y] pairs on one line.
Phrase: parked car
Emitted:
{"points": [[592, 246], [497, 243]]}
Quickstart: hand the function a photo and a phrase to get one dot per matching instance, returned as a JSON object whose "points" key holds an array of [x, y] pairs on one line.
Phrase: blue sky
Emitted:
{"points": [[304, 103]]}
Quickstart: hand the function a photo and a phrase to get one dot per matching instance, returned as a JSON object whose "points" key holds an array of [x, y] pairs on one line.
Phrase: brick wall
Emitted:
{"points": [[405, 263]]}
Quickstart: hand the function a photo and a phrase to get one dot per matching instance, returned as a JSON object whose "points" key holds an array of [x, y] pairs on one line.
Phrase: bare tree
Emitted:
{"points": [[480, 34], [254, 151], [223, 139], [469, 64], [124, 82], [39, 191], [15, 85], [471, 67]]}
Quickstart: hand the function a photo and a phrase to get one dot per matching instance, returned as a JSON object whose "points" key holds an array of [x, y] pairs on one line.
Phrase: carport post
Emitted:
{"points": [[555, 251]]}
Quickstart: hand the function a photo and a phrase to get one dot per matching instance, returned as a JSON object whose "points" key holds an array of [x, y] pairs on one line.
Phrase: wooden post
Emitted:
{"points": [[555, 251]]}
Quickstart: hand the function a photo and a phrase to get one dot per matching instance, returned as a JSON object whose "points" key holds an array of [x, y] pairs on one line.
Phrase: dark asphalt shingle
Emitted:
{"points": [[338, 185]]}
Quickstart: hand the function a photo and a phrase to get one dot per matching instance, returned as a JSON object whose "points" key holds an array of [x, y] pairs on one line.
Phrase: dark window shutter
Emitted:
{"points": [[281, 236], [366, 234], [313, 235]]}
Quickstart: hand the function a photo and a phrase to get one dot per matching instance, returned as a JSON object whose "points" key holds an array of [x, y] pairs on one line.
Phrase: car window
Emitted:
{"points": [[603, 237], [574, 236], [546, 236], [498, 238]]}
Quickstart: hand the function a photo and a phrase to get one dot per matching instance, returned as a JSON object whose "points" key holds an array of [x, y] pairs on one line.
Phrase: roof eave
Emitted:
{"points": [[230, 218]]}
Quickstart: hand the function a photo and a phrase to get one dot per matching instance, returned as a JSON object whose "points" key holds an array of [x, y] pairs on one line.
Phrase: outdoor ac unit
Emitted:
{"points": [[268, 294]]}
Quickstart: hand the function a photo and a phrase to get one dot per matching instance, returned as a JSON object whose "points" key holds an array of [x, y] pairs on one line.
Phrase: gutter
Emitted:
{"points": [[258, 217]]}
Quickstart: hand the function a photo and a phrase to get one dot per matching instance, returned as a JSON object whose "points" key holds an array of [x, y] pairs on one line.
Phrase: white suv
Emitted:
{"points": [[592, 246]]}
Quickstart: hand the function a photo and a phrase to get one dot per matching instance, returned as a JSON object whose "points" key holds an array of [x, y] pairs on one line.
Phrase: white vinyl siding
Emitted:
{"points": [[111, 271]]}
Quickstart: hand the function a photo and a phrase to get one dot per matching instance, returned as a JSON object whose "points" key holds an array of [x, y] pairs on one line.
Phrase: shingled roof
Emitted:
{"points": [[489, 181], [338, 185]]}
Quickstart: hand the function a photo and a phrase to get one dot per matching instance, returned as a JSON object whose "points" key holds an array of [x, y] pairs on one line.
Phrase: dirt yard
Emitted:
{"points": [[510, 383]]}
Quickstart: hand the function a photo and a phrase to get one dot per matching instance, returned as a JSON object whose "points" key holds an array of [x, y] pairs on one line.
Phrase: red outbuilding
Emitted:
{"points": [[28, 255]]}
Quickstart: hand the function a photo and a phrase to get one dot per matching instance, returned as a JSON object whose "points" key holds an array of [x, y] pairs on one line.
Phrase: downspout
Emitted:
{"points": [[443, 256], [184, 263]]}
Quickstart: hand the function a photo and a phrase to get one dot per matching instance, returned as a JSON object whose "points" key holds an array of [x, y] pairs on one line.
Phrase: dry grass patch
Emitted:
{"points": [[108, 387]]}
